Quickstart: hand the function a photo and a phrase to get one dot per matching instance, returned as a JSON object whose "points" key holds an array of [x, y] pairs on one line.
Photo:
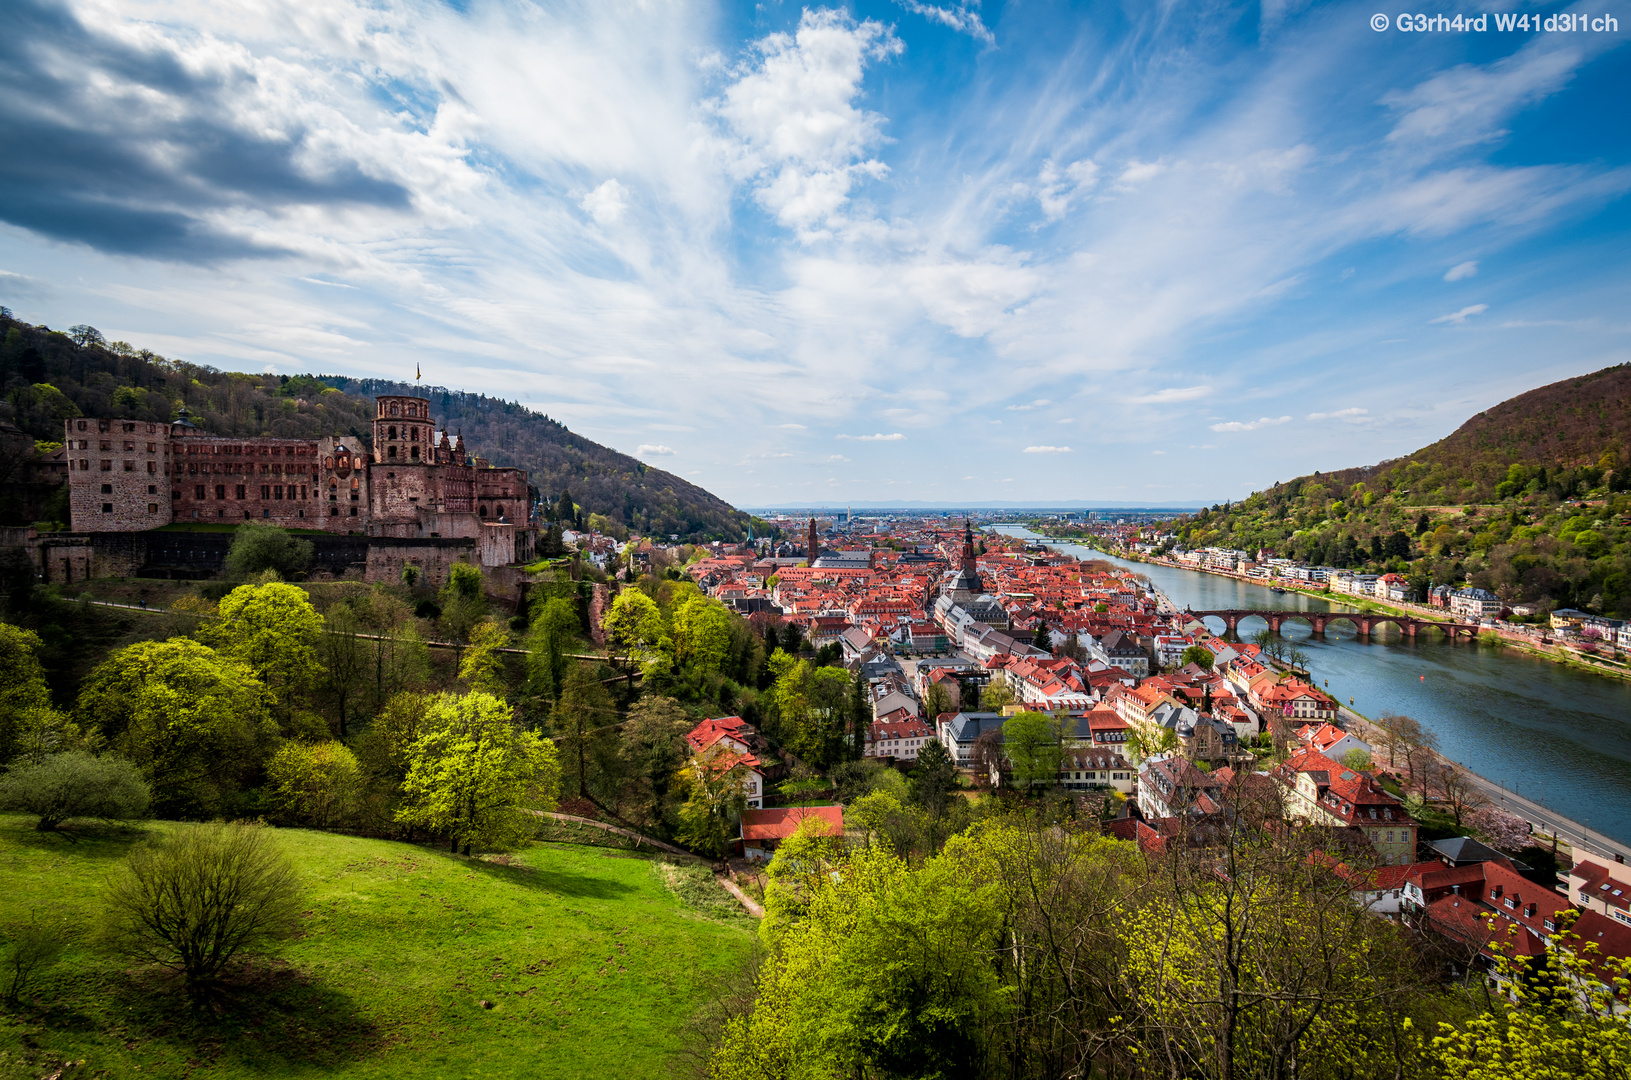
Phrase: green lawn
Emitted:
{"points": [[592, 959]]}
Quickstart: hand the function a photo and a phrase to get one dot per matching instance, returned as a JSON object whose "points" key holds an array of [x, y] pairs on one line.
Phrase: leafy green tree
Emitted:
{"points": [[936, 702], [1197, 654], [1358, 760], [475, 776], [463, 604], [1032, 748], [634, 626], [274, 629], [317, 783], [344, 659], [655, 749], [398, 659], [1565, 1017], [554, 630], [75, 784], [1043, 638], [996, 697], [482, 666], [196, 898], [583, 720], [195, 722], [702, 634], [813, 710], [29, 726], [715, 785], [883, 974], [258, 547], [934, 778]]}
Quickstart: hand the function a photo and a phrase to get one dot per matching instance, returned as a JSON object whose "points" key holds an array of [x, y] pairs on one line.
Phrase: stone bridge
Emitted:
{"points": [[1363, 622]]}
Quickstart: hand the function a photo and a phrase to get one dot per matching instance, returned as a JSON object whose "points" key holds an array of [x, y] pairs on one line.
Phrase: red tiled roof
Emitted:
{"points": [[782, 822]]}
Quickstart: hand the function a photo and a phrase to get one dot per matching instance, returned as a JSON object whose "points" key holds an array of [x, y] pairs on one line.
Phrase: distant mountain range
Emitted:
{"points": [[47, 376]]}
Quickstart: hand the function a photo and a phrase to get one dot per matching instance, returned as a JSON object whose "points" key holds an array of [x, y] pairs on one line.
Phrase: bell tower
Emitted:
{"points": [[403, 432], [812, 548]]}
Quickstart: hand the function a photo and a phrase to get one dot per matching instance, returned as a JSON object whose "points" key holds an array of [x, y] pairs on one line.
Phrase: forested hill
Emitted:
{"points": [[1528, 498], [604, 481], [47, 376]]}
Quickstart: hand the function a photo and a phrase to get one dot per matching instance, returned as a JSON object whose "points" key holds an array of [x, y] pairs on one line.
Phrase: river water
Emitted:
{"points": [[1553, 734]]}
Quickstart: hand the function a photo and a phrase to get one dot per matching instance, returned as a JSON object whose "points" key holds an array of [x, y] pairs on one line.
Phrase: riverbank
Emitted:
{"points": [[1550, 651], [1538, 738]]}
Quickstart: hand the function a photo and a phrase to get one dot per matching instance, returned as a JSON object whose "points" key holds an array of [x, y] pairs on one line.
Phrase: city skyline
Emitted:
{"points": [[950, 254]]}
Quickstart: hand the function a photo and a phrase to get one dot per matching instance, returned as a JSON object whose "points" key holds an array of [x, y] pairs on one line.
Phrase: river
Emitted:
{"points": [[1556, 735]]}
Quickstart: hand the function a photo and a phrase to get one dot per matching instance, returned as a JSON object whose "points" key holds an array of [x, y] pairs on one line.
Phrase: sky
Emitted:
{"points": [[937, 250]]}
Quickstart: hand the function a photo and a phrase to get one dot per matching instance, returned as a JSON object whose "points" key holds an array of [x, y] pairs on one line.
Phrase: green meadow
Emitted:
{"points": [[556, 961]]}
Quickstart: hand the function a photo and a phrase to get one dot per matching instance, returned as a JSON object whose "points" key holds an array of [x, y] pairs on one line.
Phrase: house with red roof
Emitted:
{"points": [[1327, 792], [1485, 904], [763, 830], [726, 742]]}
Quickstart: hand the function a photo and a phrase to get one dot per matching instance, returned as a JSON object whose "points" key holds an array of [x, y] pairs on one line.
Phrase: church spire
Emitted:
{"points": [[812, 549]]}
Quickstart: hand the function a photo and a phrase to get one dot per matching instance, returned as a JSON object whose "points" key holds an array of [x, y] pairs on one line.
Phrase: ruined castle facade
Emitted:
{"points": [[418, 489]]}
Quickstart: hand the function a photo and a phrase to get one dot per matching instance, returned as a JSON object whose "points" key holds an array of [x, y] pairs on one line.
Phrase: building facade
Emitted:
{"points": [[133, 476]]}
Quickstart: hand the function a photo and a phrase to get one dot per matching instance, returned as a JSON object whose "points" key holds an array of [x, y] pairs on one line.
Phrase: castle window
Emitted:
{"points": [[152, 489], [107, 489], [481, 510], [84, 465], [334, 511], [393, 408], [499, 510], [240, 491], [82, 425], [390, 432], [353, 511], [130, 466], [152, 508], [390, 452], [414, 453], [152, 467], [198, 491], [266, 491], [220, 491], [413, 434], [277, 492], [107, 465], [107, 508]]}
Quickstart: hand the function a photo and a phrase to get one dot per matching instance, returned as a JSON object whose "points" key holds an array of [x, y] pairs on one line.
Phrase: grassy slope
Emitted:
{"points": [[592, 960]]}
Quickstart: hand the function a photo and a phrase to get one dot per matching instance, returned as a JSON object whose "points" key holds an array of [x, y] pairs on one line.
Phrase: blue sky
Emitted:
{"points": [[903, 250]]}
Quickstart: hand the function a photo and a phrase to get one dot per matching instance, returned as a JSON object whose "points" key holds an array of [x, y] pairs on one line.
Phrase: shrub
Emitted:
{"points": [[197, 899], [33, 949], [258, 547], [76, 785], [319, 783]]}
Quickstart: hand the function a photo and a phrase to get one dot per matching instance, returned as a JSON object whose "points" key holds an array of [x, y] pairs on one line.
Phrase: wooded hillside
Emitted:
{"points": [[47, 376], [1528, 499]]}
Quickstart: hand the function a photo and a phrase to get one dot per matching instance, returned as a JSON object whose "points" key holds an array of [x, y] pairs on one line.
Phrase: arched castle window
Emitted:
{"points": [[482, 511], [414, 453], [390, 432], [393, 408]]}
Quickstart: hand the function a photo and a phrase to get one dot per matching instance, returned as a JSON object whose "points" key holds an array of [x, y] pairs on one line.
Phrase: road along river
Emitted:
{"points": [[1552, 734]]}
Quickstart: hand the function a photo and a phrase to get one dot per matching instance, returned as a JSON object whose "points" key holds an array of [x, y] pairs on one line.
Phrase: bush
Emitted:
{"points": [[76, 785], [258, 547], [320, 783], [197, 899], [33, 949]]}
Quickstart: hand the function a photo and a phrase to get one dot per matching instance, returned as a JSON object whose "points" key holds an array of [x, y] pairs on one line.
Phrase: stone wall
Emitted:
{"points": [[118, 475]]}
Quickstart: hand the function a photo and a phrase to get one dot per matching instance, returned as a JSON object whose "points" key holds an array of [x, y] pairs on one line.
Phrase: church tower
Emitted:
{"points": [[967, 563], [812, 549]]}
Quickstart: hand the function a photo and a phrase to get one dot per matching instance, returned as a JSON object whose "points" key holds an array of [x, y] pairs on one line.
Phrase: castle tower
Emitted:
{"points": [[403, 432]]}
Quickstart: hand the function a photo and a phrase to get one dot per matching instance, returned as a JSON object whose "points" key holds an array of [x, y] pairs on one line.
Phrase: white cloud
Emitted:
{"points": [[792, 427], [1139, 172], [1459, 318], [1354, 415], [1055, 187], [606, 203], [959, 18], [800, 136], [895, 437], [654, 450], [1462, 270], [1158, 453], [1252, 425], [1175, 394], [1039, 403], [1047, 450]]}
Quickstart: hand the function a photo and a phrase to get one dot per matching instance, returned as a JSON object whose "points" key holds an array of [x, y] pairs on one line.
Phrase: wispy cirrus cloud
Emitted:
{"points": [[1352, 415], [1047, 450], [1459, 318], [654, 450], [879, 437]]}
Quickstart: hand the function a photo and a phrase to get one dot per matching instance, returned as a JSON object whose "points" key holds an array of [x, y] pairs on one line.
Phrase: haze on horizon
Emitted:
{"points": [[940, 251]]}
